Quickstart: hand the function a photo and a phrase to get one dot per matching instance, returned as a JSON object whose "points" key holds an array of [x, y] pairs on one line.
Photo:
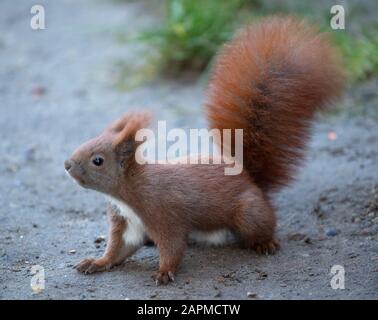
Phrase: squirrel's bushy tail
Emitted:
{"points": [[269, 81]]}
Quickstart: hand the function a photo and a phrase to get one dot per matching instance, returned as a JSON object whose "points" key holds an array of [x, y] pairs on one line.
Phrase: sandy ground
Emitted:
{"points": [[56, 91]]}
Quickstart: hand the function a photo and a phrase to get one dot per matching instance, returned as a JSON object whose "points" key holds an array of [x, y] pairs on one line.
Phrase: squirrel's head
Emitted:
{"points": [[101, 163]]}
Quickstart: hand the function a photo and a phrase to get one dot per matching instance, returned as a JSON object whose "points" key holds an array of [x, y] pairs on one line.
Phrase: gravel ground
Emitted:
{"points": [[56, 89]]}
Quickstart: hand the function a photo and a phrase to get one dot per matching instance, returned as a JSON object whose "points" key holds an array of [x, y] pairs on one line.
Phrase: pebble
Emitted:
{"points": [[38, 92], [30, 154], [307, 240], [331, 232], [365, 232], [72, 251], [262, 276], [99, 239], [251, 295]]}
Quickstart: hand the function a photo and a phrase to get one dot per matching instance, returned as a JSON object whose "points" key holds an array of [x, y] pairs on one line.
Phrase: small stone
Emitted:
{"points": [[323, 198], [318, 211], [307, 240], [331, 232], [251, 295], [73, 251], [262, 276], [38, 92], [30, 154], [332, 135], [371, 215], [365, 232], [99, 239]]}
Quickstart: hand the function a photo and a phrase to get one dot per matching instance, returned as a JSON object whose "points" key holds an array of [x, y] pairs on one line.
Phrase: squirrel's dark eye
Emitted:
{"points": [[98, 161]]}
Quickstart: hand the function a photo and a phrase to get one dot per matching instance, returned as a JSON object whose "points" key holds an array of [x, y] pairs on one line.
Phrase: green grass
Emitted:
{"points": [[360, 55], [192, 32]]}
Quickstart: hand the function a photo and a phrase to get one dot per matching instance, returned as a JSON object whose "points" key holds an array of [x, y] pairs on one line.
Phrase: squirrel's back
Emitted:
{"points": [[269, 81]]}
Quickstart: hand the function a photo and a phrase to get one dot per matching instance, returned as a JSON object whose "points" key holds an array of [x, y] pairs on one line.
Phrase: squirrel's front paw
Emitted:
{"points": [[90, 265], [269, 247], [162, 277]]}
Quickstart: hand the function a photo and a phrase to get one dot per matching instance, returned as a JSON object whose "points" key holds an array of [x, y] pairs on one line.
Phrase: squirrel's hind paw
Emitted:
{"points": [[269, 247], [163, 277]]}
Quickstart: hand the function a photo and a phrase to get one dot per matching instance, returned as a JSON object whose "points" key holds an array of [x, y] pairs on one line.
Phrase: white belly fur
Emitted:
{"points": [[214, 238], [136, 234]]}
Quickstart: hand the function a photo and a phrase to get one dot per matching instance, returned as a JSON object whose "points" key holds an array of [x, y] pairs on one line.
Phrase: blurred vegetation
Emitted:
{"points": [[192, 31], [360, 55]]}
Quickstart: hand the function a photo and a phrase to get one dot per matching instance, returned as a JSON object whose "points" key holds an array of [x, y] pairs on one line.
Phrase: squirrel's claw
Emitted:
{"points": [[270, 247], [163, 277], [90, 265]]}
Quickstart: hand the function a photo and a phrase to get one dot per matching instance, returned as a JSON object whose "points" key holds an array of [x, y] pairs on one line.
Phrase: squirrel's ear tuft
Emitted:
{"points": [[127, 126]]}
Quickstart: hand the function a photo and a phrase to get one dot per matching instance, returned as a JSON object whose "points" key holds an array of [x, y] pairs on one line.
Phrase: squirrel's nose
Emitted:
{"points": [[67, 164]]}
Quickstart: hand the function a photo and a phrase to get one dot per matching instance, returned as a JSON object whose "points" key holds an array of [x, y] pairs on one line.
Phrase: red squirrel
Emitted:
{"points": [[269, 81]]}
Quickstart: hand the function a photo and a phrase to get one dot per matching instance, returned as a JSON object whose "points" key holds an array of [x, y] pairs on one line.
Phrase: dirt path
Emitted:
{"points": [[55, 89]]}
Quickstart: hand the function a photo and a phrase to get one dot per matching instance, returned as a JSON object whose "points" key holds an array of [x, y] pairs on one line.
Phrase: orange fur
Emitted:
{"points": [[270, 80], [128, 125]]}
